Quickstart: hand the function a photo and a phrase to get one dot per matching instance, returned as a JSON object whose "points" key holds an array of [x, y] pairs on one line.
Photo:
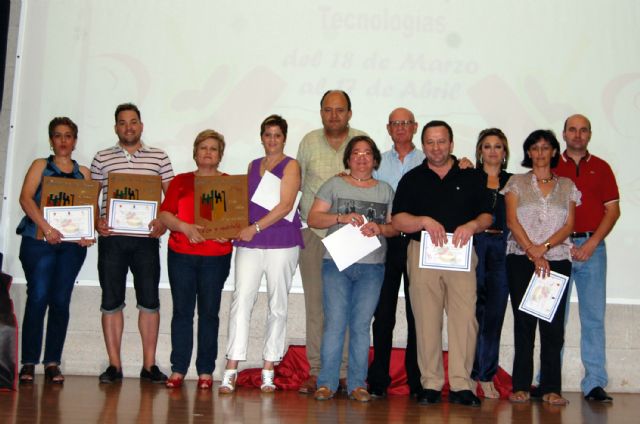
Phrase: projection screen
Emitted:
{"points": [[227, 64]]}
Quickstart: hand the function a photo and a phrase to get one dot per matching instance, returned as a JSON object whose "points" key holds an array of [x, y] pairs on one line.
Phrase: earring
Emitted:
{"points": [[504, 160], [481, 160]]}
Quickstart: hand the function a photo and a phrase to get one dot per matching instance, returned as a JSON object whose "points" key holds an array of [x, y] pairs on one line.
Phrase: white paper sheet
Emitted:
{"points": [[347, 246], [267, 194]]}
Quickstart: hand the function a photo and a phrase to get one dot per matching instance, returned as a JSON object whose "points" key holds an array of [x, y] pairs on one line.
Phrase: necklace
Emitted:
{"points": [[361, 179], [546, 180]]}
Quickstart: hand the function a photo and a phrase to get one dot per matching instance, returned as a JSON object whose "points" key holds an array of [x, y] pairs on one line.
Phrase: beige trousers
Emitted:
{"points": [[431, 292]]}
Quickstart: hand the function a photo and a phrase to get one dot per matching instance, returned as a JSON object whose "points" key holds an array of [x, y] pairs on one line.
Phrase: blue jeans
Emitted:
{"points": [[349, 298], [51, 272], [491, 304], [590, 278], [194, 279]]}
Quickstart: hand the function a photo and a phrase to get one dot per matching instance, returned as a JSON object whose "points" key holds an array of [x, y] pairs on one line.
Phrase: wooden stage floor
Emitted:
{"points": [[83, 400]]}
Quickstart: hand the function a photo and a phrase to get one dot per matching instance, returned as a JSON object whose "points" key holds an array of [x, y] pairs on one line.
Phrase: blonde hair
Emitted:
{"points": [[205, 135]]}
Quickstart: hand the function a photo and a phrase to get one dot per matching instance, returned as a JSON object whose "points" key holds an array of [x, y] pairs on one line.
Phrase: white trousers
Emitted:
{"points": [[279, 266]]}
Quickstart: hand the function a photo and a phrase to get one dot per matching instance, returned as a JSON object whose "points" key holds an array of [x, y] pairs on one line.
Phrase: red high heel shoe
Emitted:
{"points": [[205, 383], [174, 382]]}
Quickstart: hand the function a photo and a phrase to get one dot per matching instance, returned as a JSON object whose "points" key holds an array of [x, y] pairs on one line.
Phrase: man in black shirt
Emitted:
{"points": [[438, 197]]}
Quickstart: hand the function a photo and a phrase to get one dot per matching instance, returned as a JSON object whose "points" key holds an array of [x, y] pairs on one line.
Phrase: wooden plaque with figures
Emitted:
{"points": [[134, 187], [221, 205], [58, 191]]}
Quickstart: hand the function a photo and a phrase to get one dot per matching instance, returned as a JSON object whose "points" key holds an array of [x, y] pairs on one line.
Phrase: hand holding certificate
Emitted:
{"points": [[447, 256], [73, 222], [65, 203], [131, 216], [348, 245], [543, 295]]}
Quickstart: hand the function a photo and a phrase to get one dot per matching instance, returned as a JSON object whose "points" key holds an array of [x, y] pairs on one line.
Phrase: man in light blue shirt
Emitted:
{"points": [[401, 158]]}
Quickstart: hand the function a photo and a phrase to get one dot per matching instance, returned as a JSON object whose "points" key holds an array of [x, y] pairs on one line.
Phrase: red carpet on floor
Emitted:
{"points": [[294, 369]]}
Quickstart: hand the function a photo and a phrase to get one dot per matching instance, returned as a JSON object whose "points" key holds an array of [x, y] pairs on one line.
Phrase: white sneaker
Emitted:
{"points": [[267, 381], [228, 384]]}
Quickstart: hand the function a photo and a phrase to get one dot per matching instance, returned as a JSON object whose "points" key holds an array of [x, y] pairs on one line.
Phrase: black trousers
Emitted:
{"points": [[519, 272], [385, 320]]}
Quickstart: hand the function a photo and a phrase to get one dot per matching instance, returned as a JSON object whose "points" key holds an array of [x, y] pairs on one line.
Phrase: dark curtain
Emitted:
{"points": [[5, 6]]}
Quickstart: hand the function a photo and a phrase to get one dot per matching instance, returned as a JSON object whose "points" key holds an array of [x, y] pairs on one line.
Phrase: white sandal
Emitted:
{"points": [[228, 384], [267, 381]]}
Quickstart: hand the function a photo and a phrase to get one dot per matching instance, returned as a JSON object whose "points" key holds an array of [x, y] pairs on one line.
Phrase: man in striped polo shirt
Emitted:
{"points": [[117, 253]]}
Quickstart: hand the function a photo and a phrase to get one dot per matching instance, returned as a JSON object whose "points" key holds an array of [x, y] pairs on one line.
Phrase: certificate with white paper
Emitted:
{"points": [[74, 222], [447, 256], [267, 194], [543, 295], [348, 245], [131, 216]]}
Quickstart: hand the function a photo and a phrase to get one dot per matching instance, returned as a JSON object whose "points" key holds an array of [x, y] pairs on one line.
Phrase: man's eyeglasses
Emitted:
{"points": [[401, 124]]}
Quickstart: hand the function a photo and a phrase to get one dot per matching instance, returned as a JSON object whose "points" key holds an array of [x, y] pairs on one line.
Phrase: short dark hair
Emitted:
{"points": [[533, 138], [127, 106], [274, 121], [344, 93], [436, 123], [377, 157], [497, 132], [62, 120]]}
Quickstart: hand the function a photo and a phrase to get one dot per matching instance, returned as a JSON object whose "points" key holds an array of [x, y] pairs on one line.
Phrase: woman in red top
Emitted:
{"points": [[198, 268]]}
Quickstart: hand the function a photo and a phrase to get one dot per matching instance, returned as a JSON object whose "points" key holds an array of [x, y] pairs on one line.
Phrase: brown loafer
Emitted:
{"points": [[360, 394], [323, 393], [309, 385]]}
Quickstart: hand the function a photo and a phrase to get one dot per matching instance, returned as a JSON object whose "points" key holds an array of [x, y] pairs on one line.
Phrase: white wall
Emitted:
{"points": [[227, 65]]}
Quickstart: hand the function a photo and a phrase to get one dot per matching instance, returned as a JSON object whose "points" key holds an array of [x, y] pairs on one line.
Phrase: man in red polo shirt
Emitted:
{"points": [[595, 218]]}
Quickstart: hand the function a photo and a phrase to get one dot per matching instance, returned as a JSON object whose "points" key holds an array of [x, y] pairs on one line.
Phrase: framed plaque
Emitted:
{"points": [[65, 192], [221, 205], [134, 188]]}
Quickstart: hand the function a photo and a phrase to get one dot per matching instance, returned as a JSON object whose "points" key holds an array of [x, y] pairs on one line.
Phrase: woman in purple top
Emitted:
{"points": [[268, 246]]}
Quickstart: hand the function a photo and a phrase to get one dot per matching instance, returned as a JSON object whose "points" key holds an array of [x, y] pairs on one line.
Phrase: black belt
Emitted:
{"points": [[582, 235]]}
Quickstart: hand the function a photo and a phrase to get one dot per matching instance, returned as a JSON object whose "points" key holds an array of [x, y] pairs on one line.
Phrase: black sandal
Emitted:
{"points": [[52, 374], [27, 373]]}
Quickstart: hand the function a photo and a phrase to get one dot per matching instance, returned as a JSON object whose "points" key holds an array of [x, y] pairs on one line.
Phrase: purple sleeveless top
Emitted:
{"points": [[281, 234]]}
